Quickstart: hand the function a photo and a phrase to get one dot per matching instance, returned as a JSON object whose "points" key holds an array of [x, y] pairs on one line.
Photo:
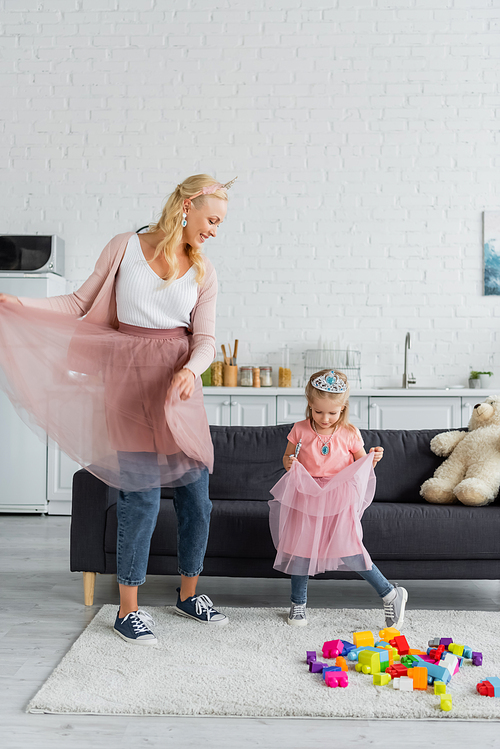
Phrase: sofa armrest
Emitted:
{"points": [[90, 501]]}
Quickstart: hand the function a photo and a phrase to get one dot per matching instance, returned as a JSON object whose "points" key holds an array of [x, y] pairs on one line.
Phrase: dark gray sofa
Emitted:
{"points": [[406, 537]]}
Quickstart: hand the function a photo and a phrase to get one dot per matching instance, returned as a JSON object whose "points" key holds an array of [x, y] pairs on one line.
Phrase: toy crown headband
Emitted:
{"points": [[210, 189], [330, 383]]}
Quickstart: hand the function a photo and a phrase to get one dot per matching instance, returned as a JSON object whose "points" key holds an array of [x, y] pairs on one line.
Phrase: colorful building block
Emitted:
{"points": [[446, 702], [435, 671], [490, 687], [363, 638], [446, 641], [456, 649], [409, 660], [404, 684], [368, 662], [436, 653], [467, 652], [330, 669], [332, 648], [400, 644], [310, 656], [419, 676], [336, 679], [396, 671], [353, 654], [341, 662], [348, 646], [477, 659], [316, 667], [439, 687], [381, 679], [450, 662], [389, 633]]}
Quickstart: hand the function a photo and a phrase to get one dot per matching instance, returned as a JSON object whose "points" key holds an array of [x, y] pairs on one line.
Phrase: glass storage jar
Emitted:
{"points": [[266, 377], [246, 377]]}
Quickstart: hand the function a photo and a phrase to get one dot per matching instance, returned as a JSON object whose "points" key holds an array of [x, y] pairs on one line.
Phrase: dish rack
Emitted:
{"points": [[346, 360]]}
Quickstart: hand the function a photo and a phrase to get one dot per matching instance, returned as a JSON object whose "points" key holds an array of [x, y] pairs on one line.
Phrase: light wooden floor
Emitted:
{"points": [[43, 614]]}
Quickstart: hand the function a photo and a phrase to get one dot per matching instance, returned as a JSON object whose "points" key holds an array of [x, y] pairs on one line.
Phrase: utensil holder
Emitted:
{"points": [[230, 375]]}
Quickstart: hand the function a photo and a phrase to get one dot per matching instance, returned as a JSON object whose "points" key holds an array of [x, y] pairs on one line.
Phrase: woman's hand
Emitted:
{"points": [[288, 461], [183, 381], [9, 298], [378, 454]]}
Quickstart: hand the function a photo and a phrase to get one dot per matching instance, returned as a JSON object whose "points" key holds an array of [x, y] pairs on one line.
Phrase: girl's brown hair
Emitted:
{"points": [[339, 399], [170, 222]]}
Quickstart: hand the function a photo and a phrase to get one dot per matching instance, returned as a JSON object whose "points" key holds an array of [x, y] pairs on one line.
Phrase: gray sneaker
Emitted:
{"points": [[297, 616], [395, 610]]}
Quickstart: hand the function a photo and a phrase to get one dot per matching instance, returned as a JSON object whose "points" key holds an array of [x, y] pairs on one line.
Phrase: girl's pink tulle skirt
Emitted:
{"points": [[101, 395], [316, 522]]}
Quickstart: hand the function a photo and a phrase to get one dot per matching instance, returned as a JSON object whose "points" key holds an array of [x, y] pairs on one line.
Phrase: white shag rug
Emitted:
{"points": [[255, 667]]}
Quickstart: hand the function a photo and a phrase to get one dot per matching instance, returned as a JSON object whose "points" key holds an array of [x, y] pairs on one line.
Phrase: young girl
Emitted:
{"points": [[315, 516]]}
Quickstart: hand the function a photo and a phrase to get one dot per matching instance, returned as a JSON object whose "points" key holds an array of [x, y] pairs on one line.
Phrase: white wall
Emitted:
{"points": [[364, 133]]}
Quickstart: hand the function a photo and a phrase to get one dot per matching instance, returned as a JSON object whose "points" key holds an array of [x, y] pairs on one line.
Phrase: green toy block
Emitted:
{"points": [[439, 687], [381, 679], [409, 660]]}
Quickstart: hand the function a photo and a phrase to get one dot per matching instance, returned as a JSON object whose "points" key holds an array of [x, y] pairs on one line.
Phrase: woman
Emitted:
{"points": [[120, 389]]}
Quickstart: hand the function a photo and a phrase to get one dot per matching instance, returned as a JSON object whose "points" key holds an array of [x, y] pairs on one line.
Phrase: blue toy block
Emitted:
{"points": [[467, 653], [348, 646], [495, 683], [330, 668], [353, 654]]}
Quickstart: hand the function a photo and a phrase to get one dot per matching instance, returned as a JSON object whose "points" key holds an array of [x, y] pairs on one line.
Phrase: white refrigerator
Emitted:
{"points": [[35, 477]]}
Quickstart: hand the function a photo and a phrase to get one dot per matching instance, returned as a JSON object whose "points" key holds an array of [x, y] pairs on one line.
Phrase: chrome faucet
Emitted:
{"points": [[408, 379]]}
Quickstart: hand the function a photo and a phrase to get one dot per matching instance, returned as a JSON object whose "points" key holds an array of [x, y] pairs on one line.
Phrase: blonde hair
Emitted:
{"points": [[339, 399], [170, 222]]}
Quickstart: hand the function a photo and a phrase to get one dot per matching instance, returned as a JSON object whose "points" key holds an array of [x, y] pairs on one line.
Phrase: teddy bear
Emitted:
{"points": [[471, 473]]}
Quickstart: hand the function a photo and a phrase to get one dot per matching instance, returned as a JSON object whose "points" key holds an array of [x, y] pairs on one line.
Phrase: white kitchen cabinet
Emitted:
{"points": [[292, 408], [60, 472], [415, 413], [241, 410]]}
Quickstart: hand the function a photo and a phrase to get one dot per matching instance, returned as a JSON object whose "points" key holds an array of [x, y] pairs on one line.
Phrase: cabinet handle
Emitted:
{"points": [[226, 403], [374, 405], [234, 403]]}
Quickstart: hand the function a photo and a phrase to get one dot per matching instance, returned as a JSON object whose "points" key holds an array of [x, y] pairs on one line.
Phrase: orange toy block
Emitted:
{"points": [[390, 651], [419, 676], [363, 639], [389, 633], [415, 651], [341, 662]]}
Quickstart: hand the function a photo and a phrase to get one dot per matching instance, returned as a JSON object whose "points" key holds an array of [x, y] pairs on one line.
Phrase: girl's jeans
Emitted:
{"points": [[137, 514], [373, 576]]}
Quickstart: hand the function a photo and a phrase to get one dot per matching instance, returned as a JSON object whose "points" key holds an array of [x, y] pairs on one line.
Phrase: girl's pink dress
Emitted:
{"points": [[316, 522]]}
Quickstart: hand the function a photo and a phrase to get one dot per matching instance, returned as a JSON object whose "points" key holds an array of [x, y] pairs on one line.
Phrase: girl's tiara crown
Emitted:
{"points": [[330, 383]]}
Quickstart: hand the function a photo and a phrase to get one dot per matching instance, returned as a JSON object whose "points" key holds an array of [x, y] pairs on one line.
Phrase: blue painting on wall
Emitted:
{"points": [[491, 227]]}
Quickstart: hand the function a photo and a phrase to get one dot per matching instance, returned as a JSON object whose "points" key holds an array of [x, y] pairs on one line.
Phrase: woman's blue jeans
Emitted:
{"points": [[137, 514], [373, 576]]}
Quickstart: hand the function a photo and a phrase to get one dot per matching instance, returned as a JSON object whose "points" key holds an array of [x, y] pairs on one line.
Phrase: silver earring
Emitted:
{"points": [[184, 222]]}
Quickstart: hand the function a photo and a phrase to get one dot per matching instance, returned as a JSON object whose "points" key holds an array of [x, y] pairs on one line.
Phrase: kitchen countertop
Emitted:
{"points": [[412, 392]]}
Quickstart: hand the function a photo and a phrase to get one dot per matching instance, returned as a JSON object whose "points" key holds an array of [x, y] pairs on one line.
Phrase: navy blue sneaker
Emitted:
{"points": [[134, 628], [200, 608]]}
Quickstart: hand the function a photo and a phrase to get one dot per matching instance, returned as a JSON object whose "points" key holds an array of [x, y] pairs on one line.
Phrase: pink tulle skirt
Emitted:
{"points": [[101, 395], [316, 522]]}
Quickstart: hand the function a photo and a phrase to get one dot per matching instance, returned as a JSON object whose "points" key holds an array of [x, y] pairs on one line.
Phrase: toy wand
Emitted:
{"points": [[297, 449]]}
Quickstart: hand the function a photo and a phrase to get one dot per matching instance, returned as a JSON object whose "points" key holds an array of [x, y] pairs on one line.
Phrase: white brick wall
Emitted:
{"points": [[365, 136]]}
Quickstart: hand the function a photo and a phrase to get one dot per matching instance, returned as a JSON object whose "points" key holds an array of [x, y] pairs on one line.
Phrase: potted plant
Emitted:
{"points": [[479, 379]]}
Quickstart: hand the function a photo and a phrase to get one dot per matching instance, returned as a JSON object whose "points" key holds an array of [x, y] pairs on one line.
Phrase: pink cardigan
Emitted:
{"points": [[96, 299]]}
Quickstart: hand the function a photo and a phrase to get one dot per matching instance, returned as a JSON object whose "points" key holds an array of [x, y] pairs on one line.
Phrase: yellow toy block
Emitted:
{"points": [[389, 633], [368, 662], [446, 702], [361, 639], [381, 679], [439, 687], [341, 662], [456, 649]]}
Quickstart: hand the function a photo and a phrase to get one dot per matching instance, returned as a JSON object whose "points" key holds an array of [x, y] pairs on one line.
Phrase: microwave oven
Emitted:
{"points": [[31, 253]]}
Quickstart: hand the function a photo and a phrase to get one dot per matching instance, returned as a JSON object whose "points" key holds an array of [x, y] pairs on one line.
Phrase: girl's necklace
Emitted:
{"points": [[325, 444]]}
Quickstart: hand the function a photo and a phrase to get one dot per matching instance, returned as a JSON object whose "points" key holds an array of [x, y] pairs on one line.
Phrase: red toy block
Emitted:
{"points": [[400, 644], [396, 671], [486, 689], [332, 648], [436, 653]]}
